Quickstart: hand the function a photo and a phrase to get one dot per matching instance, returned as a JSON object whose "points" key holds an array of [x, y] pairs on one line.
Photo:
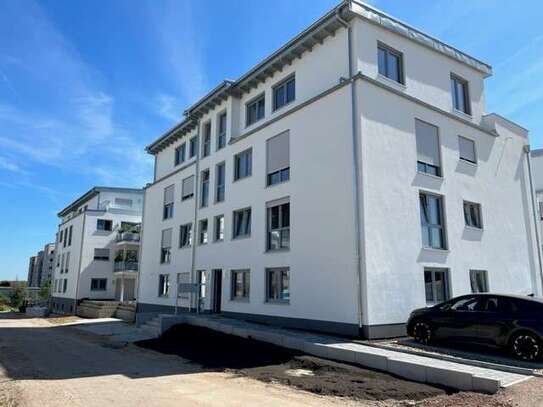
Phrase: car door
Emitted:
{"points": [[457, 323], [494, 318]]}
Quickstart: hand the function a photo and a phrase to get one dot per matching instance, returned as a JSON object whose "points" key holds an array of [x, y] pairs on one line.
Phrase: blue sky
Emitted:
{"points": [[85, 85]]}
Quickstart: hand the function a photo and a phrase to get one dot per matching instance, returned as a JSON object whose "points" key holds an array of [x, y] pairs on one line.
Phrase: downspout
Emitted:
{"points": [[140, 250], [534, 214], [355, 158], [80, 260]]}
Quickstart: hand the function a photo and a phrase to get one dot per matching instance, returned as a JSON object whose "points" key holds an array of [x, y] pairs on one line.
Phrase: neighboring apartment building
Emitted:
{"points": [[347, 179], [33, 269], [97, 248]]}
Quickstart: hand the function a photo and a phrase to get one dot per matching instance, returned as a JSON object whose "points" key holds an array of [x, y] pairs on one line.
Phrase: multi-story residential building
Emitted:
{"points": [[40, 267], [33, 269], [97, 248], [348, 178]]}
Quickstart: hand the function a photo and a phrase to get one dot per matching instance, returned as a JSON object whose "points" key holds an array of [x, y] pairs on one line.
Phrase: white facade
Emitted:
{"points": [[87, 243], [352, 156]]}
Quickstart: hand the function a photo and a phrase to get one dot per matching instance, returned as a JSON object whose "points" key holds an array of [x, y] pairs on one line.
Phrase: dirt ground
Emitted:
{"points": [[46, 365]]}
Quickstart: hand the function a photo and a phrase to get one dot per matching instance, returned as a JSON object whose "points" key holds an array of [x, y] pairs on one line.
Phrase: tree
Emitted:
{"points": [[17, 297], [45, 291]]}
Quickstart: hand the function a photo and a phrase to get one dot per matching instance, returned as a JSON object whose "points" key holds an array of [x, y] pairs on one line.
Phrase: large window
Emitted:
{"points": [[278, 159], [193, 147], [202, 280], [220, 182], [101, 254], [202, 231], [98, 284], [479, 281], [243, 164], [472, 215], [427, 139], [278, 225], [278, 284], [206, 141], [67, 264], [185, 235], [242, 223], [204, 198], [240, 284], [431, 217], [70, 235], [101, 224], [466, 149], [167, 211], [436, 285], [221, 131], [284, 93], [390, 63], [460, 94], [218, 228], [166, 246], [180, 153], [187, 188], [163, 285], [255, 110]]}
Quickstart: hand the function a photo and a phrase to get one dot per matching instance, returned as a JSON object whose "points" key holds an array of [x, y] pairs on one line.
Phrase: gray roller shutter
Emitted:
{"points": [[427, 143], [278, 152], [167, 238]]}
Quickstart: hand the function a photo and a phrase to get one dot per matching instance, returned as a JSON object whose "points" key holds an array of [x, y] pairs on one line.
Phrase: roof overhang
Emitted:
{"points": [[87, 196]]}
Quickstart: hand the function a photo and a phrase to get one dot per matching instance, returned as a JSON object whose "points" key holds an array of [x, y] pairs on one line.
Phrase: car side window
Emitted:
{"points": [[494, 304], [465, 304]]}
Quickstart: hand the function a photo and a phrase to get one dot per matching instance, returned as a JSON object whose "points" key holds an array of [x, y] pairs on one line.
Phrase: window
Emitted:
{"points": [[242, 223], [103, 224], [284, 93], [466, 149], [255, 110], [277, 285], [70, 236], [61, 236], [479, 281], [180, 153], [101, 254], [220, 180], [278, 159], [240, 284], [428, 160], [123, 202], [204, 198], [431, 216], [278, 224], [221, 131], [67, 263], [206, 142], [202, 280], [390, 63], [65, 285], [98, 284], [183, 278], [436, 285], [460, 94], [62, 263], [187, 188], [163, 285], [65, 237], [243, 163], [218, 228], [185, 235], [193, 146], [202, 231], [166, 246], [167, 211], [472, 215]]}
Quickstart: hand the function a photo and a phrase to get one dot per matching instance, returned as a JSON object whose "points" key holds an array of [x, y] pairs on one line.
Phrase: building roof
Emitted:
{"points": [[91, 194], [305, 41]]}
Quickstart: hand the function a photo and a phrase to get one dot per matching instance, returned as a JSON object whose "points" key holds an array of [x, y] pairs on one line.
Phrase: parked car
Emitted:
{"points": [[508, 322]]}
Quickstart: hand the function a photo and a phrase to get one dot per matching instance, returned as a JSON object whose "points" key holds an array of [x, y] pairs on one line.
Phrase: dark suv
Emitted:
{"points": [[501, 321]]}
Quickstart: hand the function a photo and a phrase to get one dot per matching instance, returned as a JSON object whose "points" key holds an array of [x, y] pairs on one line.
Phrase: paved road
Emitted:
{"points": [[45, 365]]}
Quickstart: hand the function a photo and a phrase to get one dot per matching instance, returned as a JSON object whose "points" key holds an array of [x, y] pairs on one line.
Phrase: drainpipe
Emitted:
{"points": [[534, 213], [138, 275], [80, 260], [356, 168]]}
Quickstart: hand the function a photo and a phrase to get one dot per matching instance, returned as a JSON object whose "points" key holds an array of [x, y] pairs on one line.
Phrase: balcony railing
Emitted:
{"points": [[128, 237], [125, 266]]}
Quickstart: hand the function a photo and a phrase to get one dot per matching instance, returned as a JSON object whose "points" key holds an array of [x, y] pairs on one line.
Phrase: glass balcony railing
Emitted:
{"points": [[128, 237], [126, 266]]}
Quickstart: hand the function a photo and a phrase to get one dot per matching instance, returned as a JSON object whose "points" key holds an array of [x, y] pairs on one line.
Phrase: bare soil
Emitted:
{"points": [[273, 364]]}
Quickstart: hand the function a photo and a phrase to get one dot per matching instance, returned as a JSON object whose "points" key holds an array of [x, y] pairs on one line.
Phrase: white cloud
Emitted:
{"points": [[168, 107], [9, 165]]}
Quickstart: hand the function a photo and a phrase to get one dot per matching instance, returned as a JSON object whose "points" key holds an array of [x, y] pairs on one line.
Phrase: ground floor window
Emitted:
{"points": [[163, 285], [479, 281], [98, 284], [278, 284], [436, 285], [240, 284], [183, 278], [202, 280]]}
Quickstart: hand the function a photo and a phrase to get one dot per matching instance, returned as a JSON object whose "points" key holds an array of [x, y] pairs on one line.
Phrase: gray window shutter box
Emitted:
{"points": [[278, 152], [188, 185], [466, 148], [427, 143], [168, 194], [167, 238]]}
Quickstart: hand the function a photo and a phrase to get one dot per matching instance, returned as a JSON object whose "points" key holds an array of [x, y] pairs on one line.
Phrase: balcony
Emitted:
{"points": [[128, 237], [131, 266]]}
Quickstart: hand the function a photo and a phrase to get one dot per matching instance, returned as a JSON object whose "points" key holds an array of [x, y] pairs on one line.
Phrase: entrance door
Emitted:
{"points": [[217, 291]]}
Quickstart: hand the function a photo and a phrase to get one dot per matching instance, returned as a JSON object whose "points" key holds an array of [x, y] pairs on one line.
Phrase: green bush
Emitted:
{"points": [[17, 297], [4, 303]]}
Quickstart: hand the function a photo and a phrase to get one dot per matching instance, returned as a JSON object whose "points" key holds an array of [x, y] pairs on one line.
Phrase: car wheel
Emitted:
{"points": [[422, 332], [526, 346]]}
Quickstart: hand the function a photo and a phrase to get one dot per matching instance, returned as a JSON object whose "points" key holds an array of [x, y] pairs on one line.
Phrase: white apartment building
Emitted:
{"points": [[348, 178], [537, 174], [97, 248]]}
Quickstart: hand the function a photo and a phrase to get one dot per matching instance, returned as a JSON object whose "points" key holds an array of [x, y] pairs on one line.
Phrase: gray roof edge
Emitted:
{"points": [[395, 25], [537, 152], [91, 193]]}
